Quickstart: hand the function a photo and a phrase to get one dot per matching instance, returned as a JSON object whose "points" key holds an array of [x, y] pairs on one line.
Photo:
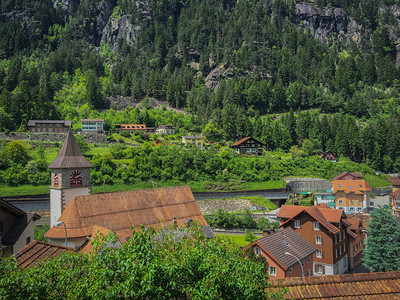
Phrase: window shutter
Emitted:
{"points": [[323, 269]]}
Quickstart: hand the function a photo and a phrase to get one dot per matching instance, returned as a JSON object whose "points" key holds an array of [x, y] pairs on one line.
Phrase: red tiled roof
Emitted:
{"points": [[394, 180], [395, 194], [290, 212], [241, 141], [355, 174], [351, 233], [332, 215], [37, 251], [121, 211], [351, 186], [380, 285]]}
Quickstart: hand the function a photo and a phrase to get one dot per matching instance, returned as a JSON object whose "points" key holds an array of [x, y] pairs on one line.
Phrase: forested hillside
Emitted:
{"points": [[281, 71]]}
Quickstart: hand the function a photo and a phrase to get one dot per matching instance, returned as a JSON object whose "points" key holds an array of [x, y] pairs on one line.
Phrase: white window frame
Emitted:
{"points": [[316, 226], [257, 250], [318, 240], [296, 223], [272, 271], [319, 269], [318, 253]]}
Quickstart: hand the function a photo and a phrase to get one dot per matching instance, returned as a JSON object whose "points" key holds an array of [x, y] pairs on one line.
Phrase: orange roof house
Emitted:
{"points": [[324, 228], [351, 195], [121, 211]]}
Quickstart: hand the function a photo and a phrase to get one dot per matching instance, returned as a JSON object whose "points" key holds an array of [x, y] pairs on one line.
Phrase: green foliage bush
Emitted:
{"points": [[179, 264]]}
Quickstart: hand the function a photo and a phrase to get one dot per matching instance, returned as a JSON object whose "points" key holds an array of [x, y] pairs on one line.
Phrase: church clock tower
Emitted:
{"points": [[70, 177]]}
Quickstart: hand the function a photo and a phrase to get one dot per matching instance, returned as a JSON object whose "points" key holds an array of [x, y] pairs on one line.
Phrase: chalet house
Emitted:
{"points": [[348, 176], [351, 195], [379, 285], [92, 125], [132, 128], [329, 155], [122, 211], [195, 140], [286, 254], [165, 129], [16, 228], [49, 125], [325, 229], [248, 145], [395, 182], [355, 241]]}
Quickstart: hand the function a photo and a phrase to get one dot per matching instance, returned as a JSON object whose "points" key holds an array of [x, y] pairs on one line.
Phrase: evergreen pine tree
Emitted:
{"points": [[382, 251]]}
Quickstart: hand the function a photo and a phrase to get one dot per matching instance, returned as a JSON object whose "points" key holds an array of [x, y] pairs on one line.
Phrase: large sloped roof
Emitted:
{"points": [[323, 215], [380, 285], [70, 155], [351, 186], [286, 240], [121, 211]]}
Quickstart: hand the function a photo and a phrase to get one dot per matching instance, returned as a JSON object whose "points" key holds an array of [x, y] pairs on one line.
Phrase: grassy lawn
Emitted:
{"points": [[375, 181], [23, 190], [239, 240]]}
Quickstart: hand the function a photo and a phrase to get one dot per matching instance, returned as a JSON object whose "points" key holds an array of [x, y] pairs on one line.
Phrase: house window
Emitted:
{"points": [[272, 271], [318, 254], [344, 247], [318, 240], [351, 187], [336, 239], [309, 273], [340, 237], [340, 201], [28, 240], [296, 223], [355, 247], [302, 262], [257, 250], [352, 202], [340, 195], [319, 269], [316, 226], [358, 202], [290, 270], [351, 196], [344, 234], [340, 250], [360, 243], [335, 253], [339, 226], [309, 259]]}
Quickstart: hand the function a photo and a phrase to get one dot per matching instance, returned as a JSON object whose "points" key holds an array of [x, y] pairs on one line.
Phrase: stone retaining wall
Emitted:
{"points": [[299, 185], [208, 207], [90, 138]]}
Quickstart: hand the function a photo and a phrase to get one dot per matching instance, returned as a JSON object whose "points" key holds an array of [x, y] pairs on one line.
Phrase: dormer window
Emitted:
{"points": [[351, 187], [340, 185]]}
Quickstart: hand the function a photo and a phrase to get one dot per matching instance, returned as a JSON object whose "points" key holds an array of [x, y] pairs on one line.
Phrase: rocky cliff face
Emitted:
{"points": [[330, 24], [126, 26]]}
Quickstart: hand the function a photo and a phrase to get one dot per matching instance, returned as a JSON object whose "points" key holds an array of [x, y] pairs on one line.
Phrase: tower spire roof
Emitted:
{"points": [[70, 155]]}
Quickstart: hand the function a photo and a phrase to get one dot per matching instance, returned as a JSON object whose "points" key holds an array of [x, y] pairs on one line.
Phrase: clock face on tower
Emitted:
{"points": [[76, 178], [56, 180]]}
